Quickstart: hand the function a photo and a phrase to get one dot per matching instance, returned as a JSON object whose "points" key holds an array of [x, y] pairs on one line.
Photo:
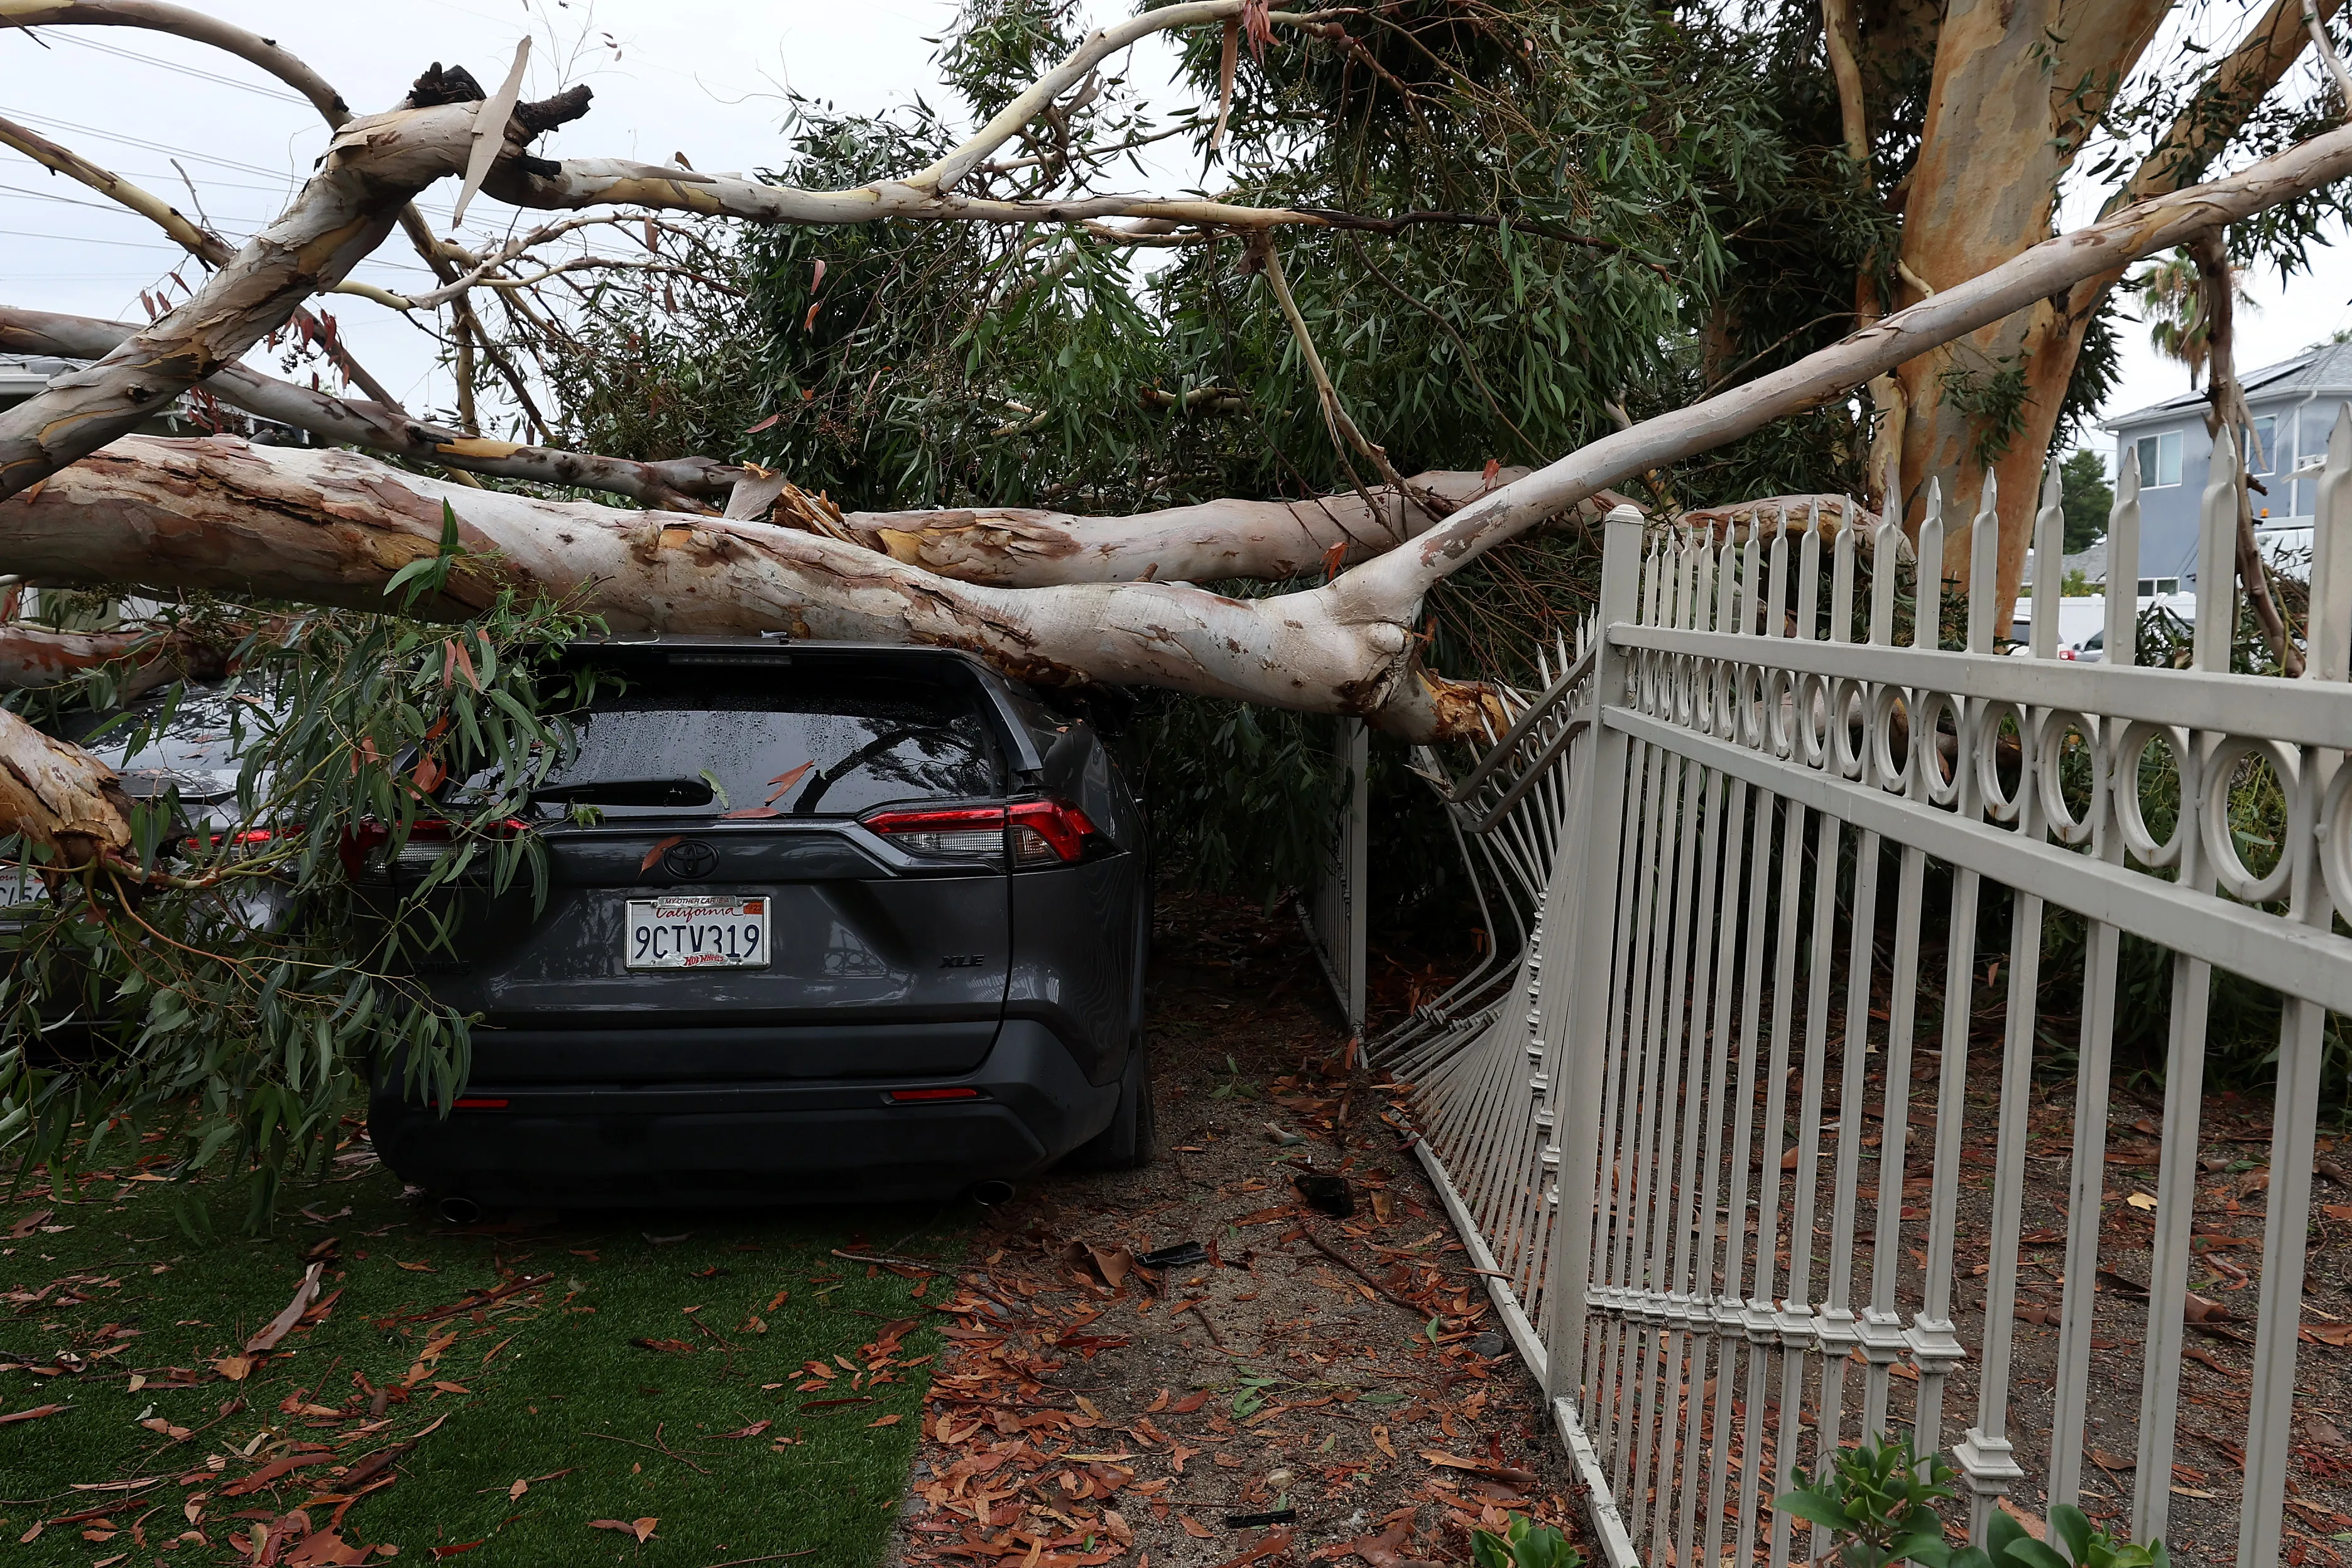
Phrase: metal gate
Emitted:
{"points": [[1718, 1136]]}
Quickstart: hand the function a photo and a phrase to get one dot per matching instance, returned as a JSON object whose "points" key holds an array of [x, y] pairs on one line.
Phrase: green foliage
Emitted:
{"points": [[2086, 497], [1878, 1503], [1993, 398], [235, 996], [1523, 1545]]}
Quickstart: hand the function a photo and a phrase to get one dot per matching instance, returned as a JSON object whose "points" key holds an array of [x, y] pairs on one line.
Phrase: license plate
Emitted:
{"points": [[696, 931]]}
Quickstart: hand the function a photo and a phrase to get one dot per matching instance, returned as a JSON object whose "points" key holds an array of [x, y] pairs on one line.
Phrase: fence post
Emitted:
{"points": [[1591, 848]]}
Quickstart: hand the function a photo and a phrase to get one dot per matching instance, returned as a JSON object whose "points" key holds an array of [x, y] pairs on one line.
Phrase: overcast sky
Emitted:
{"points": [[704, 77]]}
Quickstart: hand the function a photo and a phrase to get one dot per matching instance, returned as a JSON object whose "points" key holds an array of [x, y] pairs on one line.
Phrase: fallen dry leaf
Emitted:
{"points": [[1266, 1545], [884, 1421], [420, 1269], [35, 1414], [1195, 1527], [2337, 1334], [658, 850], [441, 1551], [270, 1333], [326, 1549], [668, 1347], [29, 1223], [234, 1367], [642, 1529]]}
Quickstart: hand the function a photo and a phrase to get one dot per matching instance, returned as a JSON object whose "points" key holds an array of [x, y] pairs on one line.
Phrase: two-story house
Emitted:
{"points": [[2295, 404]]}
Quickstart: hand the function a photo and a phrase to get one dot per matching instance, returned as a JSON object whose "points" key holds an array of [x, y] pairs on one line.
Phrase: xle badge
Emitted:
{"points": [[963, 960]]}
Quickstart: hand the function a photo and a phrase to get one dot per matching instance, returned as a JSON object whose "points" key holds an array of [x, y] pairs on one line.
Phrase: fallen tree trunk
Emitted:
{"points": [[1006, 547], [333, 527]]}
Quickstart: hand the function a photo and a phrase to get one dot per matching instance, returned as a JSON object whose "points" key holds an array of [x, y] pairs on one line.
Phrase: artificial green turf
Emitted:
{"points": [[565, 1374]]}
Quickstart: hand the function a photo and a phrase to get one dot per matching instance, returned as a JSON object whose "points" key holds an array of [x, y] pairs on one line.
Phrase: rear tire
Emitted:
{"points": [[1131, 1142]]}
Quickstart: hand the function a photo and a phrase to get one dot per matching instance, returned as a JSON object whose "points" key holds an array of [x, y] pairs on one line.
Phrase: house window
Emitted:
{"points": [[2262, 453], [2150, 587], [2160, 460]]}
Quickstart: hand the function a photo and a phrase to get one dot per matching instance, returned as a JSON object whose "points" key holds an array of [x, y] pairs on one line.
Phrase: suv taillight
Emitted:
{"points": [[1043, 832]]}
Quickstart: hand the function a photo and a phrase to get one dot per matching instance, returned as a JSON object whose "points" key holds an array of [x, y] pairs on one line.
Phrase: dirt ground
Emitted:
{"points": [[1316, 1388], [2217, 1358]]}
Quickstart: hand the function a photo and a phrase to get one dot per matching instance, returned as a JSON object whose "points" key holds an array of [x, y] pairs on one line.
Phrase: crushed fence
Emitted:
{"points": [[1706, 1109]]}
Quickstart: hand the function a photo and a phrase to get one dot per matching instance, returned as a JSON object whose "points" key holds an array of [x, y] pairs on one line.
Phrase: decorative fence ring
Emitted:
{"points": [[1747, 681], [2049, 756], [2221, 842], [1884, 703], [1779, 697], [1983, 729], [1707, 683], [2123, 788], [1926, 756], [1814, 719], [2335, 828], [1849, 708]]}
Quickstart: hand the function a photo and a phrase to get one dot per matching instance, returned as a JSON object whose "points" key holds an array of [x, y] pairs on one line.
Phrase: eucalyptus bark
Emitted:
{"points": [[2018, 89]]}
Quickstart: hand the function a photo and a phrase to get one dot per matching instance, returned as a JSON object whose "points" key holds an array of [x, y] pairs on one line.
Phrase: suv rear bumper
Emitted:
{"points": [[774, 1142]]}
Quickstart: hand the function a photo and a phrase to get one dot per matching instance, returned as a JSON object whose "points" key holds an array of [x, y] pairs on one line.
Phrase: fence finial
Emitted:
{"points": [[1926, 627], [2123, 564], [2327, 638], [1984, 565], [2049, 562], [2217, 556]]}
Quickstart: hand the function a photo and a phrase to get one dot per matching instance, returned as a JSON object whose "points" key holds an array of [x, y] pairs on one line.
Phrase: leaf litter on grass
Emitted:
{"points": [[324, 1451]]}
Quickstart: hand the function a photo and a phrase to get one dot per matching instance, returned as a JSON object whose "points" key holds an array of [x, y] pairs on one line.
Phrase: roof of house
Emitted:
{"points": [[2326, 367]]}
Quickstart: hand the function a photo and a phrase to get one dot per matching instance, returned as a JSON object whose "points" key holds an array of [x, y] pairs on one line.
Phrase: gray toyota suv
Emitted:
{"points": [[821, 922]]}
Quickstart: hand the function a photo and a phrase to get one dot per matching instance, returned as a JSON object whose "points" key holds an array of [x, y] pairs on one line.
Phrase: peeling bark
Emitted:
{"points": [[56, 795]]}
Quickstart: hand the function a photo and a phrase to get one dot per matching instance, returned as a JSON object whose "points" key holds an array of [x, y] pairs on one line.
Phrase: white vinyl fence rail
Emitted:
{"points": [[1755, 868]]}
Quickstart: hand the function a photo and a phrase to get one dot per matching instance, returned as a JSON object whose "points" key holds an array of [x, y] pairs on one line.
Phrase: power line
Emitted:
{"points": [[23, 194], [150, 146], [117, 49]]}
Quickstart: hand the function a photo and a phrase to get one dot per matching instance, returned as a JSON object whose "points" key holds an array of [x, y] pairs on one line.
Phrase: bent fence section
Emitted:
{"points": [[1758, 868]]}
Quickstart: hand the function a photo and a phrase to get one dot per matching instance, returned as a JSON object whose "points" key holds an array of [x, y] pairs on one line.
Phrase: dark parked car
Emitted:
{"points": [[823, 922]]}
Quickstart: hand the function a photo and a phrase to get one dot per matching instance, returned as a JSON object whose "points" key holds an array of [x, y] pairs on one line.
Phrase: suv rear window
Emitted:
{"points": [[800, 738]]}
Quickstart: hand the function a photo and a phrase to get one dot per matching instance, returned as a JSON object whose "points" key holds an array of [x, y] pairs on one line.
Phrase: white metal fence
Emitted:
{"points": [[1713, 1125]]}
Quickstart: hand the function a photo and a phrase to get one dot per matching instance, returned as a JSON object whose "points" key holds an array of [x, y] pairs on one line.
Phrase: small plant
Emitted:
{"points": [[1878, 1501], [1525, 1545]]}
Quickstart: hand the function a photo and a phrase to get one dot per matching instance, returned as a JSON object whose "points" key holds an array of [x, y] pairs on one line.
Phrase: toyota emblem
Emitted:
{"points": [[690, 860]]}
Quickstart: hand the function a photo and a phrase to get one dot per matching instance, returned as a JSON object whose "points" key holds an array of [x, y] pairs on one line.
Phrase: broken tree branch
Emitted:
{"points": [[2140, 230], [2217, 287]]}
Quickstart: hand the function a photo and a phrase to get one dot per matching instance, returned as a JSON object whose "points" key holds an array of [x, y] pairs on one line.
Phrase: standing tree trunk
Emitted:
{"points": [[2018, 88]]}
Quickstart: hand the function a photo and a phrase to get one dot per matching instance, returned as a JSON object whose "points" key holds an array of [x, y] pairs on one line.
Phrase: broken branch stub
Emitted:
{"points": [[61, 797]]}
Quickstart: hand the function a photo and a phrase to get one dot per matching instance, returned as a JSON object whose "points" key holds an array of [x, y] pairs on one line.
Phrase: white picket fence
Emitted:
{"points": [[1715, 1133]]}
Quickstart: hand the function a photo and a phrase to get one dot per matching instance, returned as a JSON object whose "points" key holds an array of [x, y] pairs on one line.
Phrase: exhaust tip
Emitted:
{"points": [[989, 1194], [460, 1210]]}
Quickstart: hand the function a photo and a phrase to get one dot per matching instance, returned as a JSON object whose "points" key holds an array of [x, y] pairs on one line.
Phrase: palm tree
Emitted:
{"points": [[2175, 314]]}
